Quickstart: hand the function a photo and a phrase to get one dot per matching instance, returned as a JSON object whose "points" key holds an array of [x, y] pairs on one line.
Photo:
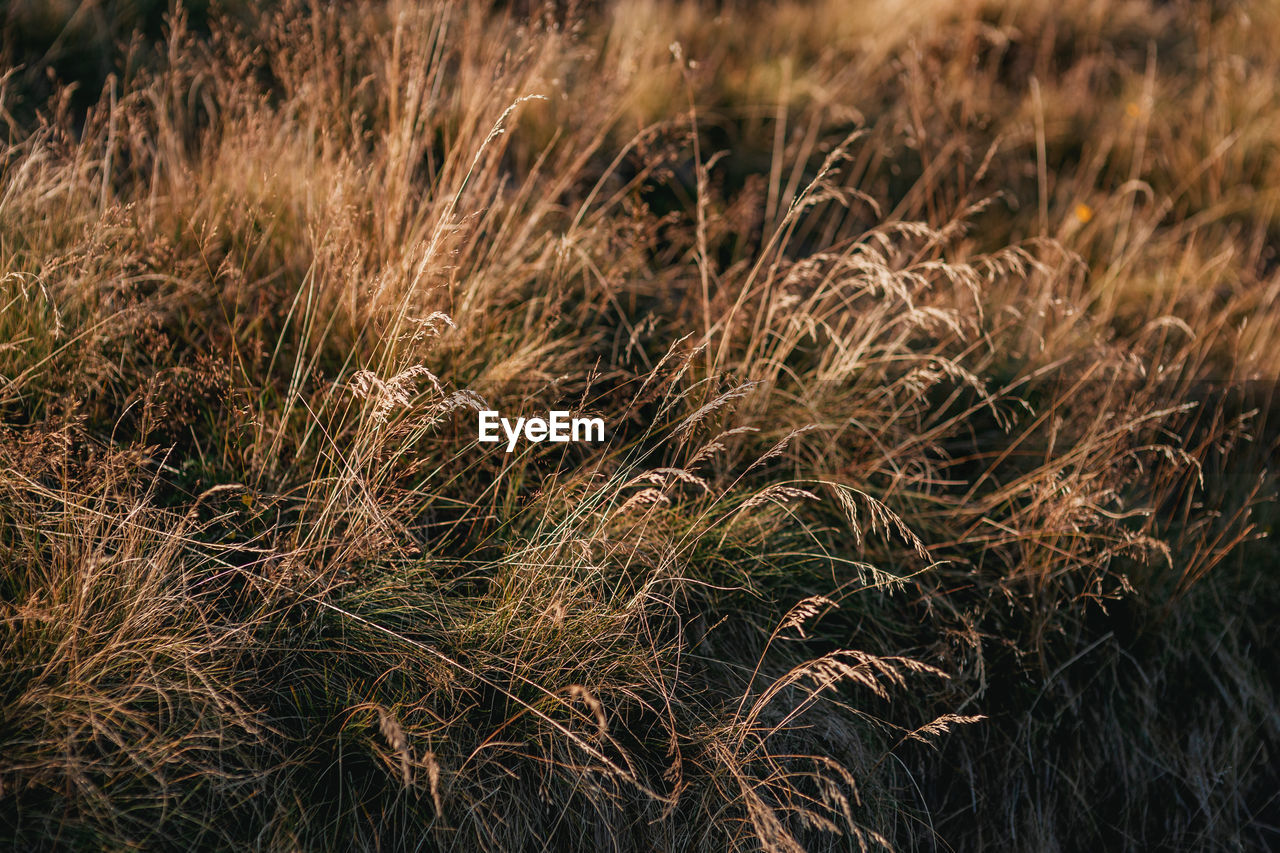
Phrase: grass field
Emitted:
{"points": [[937, 346]]}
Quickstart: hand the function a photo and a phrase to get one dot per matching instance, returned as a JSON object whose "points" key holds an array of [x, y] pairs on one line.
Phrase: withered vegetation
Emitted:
{"points": [[937, 347]]}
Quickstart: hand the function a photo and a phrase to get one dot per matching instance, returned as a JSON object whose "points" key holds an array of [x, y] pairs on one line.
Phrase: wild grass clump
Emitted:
{"points": [[934, 353]]}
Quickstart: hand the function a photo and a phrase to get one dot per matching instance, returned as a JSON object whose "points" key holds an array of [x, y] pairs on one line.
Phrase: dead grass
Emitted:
{"points": [[935, 348]]}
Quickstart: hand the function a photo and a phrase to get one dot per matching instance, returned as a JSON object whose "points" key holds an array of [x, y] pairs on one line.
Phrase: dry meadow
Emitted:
{"points": [[937, 344]]}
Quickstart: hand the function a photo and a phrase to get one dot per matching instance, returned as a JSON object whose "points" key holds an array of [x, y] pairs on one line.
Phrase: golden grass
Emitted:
{"points": [[936, 347]]}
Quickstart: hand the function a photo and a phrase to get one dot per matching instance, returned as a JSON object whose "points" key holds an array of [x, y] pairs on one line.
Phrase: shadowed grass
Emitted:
{"points": [[934, 348]]}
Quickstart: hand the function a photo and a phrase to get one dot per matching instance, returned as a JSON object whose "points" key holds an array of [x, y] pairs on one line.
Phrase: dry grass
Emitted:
{"points": [[935, 345]]}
